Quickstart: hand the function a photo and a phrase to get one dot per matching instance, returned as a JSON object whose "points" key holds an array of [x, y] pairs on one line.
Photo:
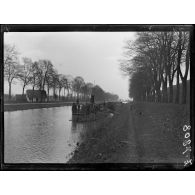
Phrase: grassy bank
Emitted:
{"points": [[105, 141], [149, 133], [160, 133], [27, 106]]}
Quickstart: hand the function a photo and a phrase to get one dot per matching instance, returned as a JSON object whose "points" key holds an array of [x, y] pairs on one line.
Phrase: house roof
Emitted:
{"points": [[36, 94]]}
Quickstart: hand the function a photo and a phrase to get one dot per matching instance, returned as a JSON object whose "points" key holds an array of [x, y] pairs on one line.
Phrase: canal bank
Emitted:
{"points": [[27, 106], [147, 133]]}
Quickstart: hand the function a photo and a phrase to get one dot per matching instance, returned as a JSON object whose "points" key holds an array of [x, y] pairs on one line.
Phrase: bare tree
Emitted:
{"points": [[34, 80], [172, 63], [145, 52], [89, 88], [186, 55], [26, 72], [45, 67], [77, 84], [11, 65], [49, 80], [179, 53], [69, 84], [65, 83], [60, 83], [159, 55], [54, 83]]}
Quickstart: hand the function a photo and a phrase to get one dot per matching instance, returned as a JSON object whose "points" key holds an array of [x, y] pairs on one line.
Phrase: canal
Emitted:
{"points": [[46, 135]]}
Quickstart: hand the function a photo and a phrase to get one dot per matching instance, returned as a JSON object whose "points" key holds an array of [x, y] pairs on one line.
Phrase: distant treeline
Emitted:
{"points": [[41, 75], [154, 62]]}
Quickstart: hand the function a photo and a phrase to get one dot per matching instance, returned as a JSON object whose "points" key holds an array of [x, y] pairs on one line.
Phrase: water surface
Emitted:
{"points": [[44, 135]]}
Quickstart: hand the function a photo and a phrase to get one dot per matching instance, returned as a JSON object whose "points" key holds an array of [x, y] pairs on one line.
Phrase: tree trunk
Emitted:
{"points": [[48, 94], [54, 92], [178, 68], [177, 89], [170, 92], [158, 93], [23, 89], [152, 96], [10, 88], [59, 93], [184, 91], [184, 78], [68, 93], [165, 96]]}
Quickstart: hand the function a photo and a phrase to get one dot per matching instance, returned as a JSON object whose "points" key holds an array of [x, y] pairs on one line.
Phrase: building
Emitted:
{"points": [[36, 95]]}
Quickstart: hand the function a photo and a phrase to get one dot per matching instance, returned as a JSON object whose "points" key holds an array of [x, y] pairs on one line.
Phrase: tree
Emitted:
{"points": [[85, 90], [185, 55], [172, 64], [54, 82], [38, 76], [77, 84], [11, 65], [139, 86], [45, 67], [35, 72], [26, 71], [49, 80], [60, 83], [111, 96], [67, 84], [89, 88], [159, 55], [179, 53], [145, 52], [99, 93]]}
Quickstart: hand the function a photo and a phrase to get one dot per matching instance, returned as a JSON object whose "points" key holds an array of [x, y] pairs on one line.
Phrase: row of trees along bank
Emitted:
{"points": [[42, 75], [154, 62]]}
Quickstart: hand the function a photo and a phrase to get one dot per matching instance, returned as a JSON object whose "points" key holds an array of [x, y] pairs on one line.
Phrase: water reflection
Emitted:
{"points": [[45, 135]]}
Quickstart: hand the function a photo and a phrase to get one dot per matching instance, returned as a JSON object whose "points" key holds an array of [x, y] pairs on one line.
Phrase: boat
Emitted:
{"points": [[83, 117], [83, 112], [86, 112]]}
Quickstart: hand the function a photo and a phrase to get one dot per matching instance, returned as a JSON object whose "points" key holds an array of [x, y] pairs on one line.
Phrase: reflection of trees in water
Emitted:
{"points": [[76, 126], [83, 128]]}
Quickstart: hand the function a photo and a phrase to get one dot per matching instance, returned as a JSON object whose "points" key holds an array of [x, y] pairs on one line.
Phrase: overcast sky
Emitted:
{"points": [[92, 55]]}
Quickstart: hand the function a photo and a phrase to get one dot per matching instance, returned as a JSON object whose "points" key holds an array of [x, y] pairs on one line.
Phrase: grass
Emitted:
{"points": [[104, 141], [150, 133], [160, 133]]}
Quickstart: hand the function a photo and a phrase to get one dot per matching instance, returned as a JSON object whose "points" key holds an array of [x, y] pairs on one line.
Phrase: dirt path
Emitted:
{"points": [[150, 133], [129, 154]]}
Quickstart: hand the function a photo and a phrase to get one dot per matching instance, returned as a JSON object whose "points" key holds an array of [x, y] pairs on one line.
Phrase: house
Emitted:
{"points": [[36, 95]]}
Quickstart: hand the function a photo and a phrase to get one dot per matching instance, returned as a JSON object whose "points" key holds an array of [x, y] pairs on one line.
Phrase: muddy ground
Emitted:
{"points": [[146, 133]]}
